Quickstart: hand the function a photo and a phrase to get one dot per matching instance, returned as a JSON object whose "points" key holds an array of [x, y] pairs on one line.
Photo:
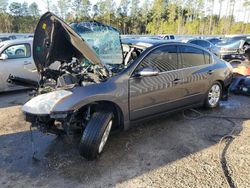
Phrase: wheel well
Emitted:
{"points": [[224, 89], [221, 83], [107, 106]]}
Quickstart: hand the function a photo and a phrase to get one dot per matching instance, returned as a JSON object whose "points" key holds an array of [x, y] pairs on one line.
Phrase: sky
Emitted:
{"points": [[238, 11]]}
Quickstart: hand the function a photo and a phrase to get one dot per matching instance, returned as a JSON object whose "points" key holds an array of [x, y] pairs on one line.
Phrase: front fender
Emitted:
{"points": [[81, 96]]}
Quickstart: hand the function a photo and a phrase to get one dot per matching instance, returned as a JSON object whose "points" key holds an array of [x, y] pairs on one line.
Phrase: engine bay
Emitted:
{"points": [[71, 74]]}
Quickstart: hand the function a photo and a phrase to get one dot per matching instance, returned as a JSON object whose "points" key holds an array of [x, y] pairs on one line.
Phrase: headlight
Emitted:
{"points": [[43, 104]]}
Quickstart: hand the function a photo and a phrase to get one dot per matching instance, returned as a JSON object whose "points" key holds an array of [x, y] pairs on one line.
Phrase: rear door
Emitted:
{"points": [[155, 94], [197, 69], [19, 63]]}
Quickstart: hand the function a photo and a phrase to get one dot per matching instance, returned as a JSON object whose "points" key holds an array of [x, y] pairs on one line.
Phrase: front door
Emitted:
{"points": [[19, 62], [149, 95]]}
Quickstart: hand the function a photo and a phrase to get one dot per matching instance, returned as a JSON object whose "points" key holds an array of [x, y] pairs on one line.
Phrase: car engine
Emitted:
{"points": [[71, 74]]}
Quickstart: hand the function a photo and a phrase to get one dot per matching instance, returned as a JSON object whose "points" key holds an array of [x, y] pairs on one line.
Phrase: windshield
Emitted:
{"points": [[105, 40]]}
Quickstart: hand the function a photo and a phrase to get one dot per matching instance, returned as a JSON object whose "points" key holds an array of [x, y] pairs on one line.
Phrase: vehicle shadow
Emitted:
{"points": [[13, 98], [143, 148]]}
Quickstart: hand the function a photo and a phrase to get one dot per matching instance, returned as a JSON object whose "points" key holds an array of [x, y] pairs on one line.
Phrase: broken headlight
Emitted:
{"points": [[43, 104]]}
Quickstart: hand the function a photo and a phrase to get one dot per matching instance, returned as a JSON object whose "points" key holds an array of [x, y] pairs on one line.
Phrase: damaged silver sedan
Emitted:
{"points": [[92, 84]]}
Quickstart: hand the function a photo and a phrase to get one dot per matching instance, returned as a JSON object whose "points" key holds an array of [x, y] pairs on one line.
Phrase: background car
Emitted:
{"points": [[205, 44], [167, 37], [16, 59], [235, 50], [231, 39], [214, 40], [4, 39]]}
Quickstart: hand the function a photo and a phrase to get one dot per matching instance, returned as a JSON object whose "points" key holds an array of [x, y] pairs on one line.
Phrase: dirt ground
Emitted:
{"points": [[167, 152]]}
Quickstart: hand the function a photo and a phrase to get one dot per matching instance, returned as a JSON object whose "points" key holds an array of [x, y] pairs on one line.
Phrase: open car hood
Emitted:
{"points": [[54, 41]]}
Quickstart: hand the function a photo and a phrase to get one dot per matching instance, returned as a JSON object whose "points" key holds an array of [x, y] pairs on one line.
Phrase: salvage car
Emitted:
{"points": [[103, 85], [16, 58], [205, 44], [229, 39], [235, 50]]}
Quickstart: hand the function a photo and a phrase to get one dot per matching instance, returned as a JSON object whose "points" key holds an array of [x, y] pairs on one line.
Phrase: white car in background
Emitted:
{"points": [[16, 59]]}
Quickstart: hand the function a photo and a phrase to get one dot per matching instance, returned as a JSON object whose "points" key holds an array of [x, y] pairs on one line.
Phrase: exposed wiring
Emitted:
{"points": [[228, 137]]}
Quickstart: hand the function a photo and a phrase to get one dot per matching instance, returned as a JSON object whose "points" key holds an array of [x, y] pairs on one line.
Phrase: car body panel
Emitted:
{"points": [[152, 95]]}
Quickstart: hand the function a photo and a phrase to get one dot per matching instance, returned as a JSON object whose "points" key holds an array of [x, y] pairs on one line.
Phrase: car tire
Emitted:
{"points": [[19, 52], [95, 135], [213, 96]]}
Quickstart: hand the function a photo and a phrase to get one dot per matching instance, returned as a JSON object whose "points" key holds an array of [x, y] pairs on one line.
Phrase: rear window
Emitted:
{"points": [[191, 56], [203, 43]]}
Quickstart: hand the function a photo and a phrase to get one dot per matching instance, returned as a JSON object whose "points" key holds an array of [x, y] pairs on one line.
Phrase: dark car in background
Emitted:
{"points": [[4, 39], [235, 50], [205, 44], [99, 87], [214, 40], [231, 39]]}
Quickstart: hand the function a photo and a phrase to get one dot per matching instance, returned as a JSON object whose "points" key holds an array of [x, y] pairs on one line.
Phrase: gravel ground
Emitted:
{"points": [[167, 152]]}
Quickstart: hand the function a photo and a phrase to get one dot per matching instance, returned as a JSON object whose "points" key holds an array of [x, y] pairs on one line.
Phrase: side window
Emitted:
{"points": [[162, 58], [208, 58], [203, 43], [192, 56], [193, 42], [18, 51]]}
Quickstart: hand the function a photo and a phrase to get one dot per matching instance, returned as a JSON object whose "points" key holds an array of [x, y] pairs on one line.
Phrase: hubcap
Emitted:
{"points": [[214, 95], [105, 136]]}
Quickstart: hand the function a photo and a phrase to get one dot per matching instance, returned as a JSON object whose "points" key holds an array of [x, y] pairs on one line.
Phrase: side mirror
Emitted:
{"points": [[3, 57], [147, 72]]}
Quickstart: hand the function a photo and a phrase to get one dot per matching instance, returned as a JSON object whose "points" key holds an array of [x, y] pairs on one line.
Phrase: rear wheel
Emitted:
{"points": [[213, 95], [96, 135]]}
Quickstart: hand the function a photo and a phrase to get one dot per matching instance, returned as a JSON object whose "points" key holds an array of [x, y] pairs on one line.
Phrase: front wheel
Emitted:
{"points": [[213, 95], [96, 135]]}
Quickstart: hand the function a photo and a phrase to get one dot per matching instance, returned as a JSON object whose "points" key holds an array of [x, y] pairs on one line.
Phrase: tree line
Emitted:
{"points": [[134, 16]]}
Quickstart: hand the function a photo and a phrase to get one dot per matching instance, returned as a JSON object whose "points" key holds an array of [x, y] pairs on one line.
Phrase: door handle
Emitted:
{"points": [[210, 72], [176, 80]]}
